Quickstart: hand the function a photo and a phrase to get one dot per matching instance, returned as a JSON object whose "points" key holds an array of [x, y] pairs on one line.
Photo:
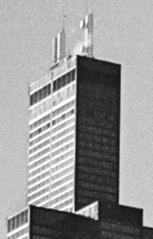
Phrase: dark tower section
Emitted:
{"points": [[97, 132], [52, 224]]}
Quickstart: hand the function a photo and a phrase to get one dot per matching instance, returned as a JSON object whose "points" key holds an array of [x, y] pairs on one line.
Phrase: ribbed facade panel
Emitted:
{"points": [[97, 129]]}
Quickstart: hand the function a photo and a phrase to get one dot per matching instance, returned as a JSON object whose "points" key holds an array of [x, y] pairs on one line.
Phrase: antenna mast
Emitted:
{"points": [[88, 26], [59, 42]]}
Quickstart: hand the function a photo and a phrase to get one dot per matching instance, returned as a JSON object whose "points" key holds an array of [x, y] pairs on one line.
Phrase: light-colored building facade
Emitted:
{"points": [[52, 138]]}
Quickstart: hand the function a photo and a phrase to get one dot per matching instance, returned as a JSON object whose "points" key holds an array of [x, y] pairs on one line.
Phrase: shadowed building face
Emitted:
{"points": [[97, 132], [53, 224], [60, 225]]}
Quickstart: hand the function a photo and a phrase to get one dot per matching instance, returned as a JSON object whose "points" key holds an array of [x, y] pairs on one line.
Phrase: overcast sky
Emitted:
{"points": [[123, 34]]}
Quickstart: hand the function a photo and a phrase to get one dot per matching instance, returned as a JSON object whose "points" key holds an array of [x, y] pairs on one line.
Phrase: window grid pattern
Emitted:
{"points": [[39, 122], [40, 94], [62, 164], [60, 110], [39, 201], [38, 178], [39, 131], [62, 197], [24, 233], [62, 157], [63, 116], [64, 80], [62, 141], [61, 95], [38, 170], [39, 146], [51, 142], [39, 197], [38, 186], [39, 139], [46, 150], [33, 165], [17, 221], [62, 149], [61, 189], [64, 204], [62, 126], [40, 109], [61, 134], [39, 193], [61, 173]]}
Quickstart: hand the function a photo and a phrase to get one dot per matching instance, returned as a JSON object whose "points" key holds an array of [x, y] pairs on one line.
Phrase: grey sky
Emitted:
{"points": [[123, 34]]}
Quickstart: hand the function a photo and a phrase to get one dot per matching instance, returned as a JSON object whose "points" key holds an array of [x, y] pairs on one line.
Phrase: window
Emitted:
{"points": [[40, 94], [40, 130], [39, 122], [17, 221], [64, 80]]}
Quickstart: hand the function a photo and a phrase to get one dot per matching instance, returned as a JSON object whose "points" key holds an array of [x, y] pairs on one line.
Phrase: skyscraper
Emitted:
{"points": [[53, 116], [73, 153], [74, 134]]}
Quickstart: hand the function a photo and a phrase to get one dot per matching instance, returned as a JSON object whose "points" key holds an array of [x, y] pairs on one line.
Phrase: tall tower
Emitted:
{"points": [[73, 152], [74, 135], [73, 149], [79, 98]]}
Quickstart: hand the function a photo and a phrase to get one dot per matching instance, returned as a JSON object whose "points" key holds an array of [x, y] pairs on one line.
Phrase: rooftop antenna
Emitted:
{"points": [[87, 25], [54, 50], [61, 38], [59, 43]]}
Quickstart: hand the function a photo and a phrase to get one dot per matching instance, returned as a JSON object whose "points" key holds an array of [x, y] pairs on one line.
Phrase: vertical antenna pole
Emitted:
{"points": [[54, 50], [89, 34], [88, 26]]}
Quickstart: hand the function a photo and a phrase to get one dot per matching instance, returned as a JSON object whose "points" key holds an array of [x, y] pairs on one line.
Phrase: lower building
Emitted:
{"points": [[18, 225], [147, 233], [93, 221], [46, 224]]}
